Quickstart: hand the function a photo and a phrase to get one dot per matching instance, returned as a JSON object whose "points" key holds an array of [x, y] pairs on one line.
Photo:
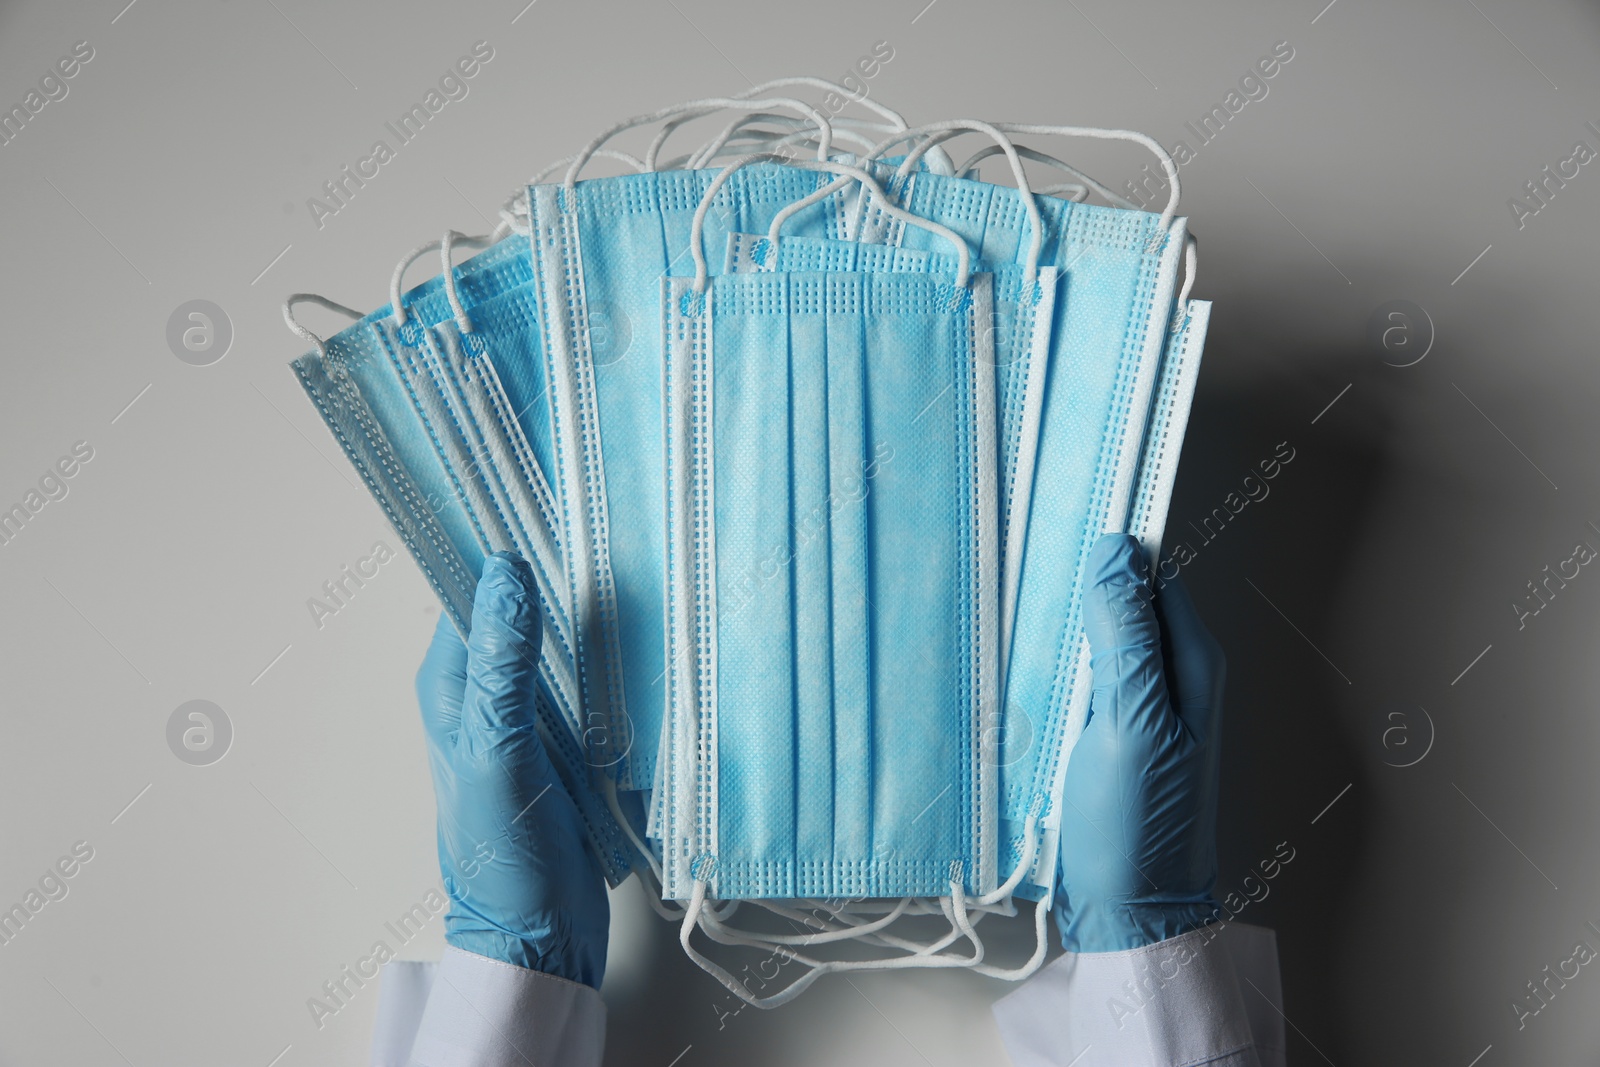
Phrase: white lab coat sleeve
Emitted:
{"points": [[471, 1011], [1210, 996]]}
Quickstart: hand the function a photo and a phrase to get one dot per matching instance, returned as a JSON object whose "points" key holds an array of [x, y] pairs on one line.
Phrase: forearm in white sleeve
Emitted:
{"points": [[471, 1011], [1210, 996]]}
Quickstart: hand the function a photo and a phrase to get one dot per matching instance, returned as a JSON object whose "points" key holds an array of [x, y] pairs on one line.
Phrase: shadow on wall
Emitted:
{"points": [[1267, 501]]}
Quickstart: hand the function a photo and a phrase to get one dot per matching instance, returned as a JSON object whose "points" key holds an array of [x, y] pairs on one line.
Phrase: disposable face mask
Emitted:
{"points": [[1121, 278], [826, 543], [1019, 335], [832, 560], [1119, 272], [600, 249], [361, 385]]}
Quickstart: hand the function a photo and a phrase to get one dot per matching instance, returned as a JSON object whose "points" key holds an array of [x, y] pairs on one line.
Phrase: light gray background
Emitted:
{"points": [[1386, 559]]}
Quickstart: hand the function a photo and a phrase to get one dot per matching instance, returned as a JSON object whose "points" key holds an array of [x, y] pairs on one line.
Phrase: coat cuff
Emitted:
{"points": [[1210, 996], [471, 1011]]}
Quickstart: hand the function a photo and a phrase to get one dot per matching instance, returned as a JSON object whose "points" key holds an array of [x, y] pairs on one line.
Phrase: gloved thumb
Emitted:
{"points": [[1124, 634], [502, 655], [1117, 611]]}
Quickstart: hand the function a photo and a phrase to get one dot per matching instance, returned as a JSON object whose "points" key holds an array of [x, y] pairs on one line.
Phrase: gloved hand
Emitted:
{"points": [[1139, 822], [524, 887]]}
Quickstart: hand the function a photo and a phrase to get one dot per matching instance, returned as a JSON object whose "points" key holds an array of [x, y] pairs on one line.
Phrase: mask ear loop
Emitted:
{"points": [[697, 231], [711, 149], [395, 302], [447, 243], [693, 916], [1167, 165], [824, 127], [1191, 263], [318, 344], [931, 134], [1030, 837], [603, 153], [514, 213], [894, 118], [957, 907], [969, 171]]}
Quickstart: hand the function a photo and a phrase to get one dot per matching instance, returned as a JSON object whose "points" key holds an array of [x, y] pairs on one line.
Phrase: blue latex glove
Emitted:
{"points": [[1139, 825], [523, 885]]}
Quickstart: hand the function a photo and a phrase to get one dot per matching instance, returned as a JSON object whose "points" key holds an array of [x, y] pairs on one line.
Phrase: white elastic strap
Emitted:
{"points": [[960, 923], [935, 132], [514, 213], [1167, 165], [697, 231], [604, 153], [306, 335], [709, 104], [666, 131], [1041, 912], [1191, 263], [452, 238], [1030, 851], [398, 277], [969, 169], [693, 918], [797, 134], [1030, 837], [1066, 190], [891, 209]]}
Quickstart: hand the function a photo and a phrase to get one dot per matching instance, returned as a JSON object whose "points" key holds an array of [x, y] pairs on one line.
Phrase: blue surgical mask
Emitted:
{"points": [[600, 249], [1120, 281], [833, 604], [825, 603], [1019, 334], [1119, 271], [385, 411]]}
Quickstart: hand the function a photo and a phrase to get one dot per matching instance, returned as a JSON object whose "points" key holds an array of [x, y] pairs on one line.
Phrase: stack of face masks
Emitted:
{"points": [[806, 436]]}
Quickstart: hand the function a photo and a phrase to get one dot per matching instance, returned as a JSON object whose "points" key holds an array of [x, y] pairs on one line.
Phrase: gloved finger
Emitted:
{"points": [[502, 656], [441, 684], [1124, 640], [1196, 666]]}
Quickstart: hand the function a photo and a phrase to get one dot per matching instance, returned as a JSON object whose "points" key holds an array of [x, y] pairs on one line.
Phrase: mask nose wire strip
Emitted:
{"points": [[969, 168], [824, 128], [306, 335], [697, 231]]}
